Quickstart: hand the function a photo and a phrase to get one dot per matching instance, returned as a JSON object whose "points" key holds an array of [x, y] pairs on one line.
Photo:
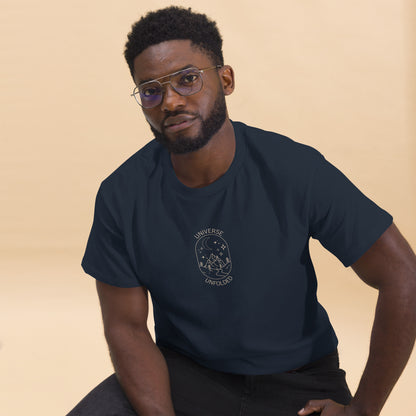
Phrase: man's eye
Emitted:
{"points": [[188, 79], [150, 91]]}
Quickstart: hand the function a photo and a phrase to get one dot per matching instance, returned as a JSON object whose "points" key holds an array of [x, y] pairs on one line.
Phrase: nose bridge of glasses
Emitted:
{"points": [[170, 97], [164, 87]]}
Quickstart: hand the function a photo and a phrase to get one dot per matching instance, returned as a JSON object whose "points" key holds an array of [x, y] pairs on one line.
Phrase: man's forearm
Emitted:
{"points": [[392, 340], [142, 372], [389, 266]]}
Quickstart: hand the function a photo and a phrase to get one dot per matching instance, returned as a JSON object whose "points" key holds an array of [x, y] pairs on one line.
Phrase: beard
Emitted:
{"points": [[184, 144]]}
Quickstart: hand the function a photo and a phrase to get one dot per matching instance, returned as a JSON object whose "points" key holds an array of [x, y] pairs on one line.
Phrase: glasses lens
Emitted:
{"points": [[187, 82], [150, 94]]}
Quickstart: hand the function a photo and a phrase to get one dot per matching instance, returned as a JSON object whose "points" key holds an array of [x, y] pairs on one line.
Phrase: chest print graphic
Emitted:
{"points": [[213, 257]]}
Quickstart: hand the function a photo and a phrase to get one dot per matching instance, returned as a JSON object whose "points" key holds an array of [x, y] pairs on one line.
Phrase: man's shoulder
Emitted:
{"points": [[276, 146], [135, 170]]}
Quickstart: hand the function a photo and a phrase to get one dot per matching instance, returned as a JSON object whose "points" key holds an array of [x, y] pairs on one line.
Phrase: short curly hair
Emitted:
{"points": [[172, 23]]}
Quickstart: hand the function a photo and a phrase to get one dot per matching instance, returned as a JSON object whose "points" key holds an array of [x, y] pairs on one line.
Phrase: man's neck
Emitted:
{"points": [[204, 166]]}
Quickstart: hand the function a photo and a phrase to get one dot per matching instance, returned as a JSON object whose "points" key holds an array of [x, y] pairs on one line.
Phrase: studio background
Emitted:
{"points": [[336, 75]]}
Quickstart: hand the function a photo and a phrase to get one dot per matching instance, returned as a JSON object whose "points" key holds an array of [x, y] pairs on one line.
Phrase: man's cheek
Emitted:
{"points": [[152, 123]]}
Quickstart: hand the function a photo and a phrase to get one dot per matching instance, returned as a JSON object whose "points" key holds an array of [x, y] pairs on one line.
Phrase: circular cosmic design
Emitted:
{"points": [[213, 257]]}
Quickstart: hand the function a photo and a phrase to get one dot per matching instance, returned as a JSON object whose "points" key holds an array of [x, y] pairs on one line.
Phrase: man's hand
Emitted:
{"points": [[327, 408]]}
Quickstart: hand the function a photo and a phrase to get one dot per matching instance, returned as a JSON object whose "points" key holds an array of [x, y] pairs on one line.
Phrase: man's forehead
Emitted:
{"points": [[167, 57]]}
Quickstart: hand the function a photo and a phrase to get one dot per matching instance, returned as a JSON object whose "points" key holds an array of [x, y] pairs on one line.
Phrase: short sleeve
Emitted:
{"points": [[342, 218], [106, 257]]}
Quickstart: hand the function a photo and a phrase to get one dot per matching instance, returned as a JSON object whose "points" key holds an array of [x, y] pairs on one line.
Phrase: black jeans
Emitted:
{"points": [[200, 391]]}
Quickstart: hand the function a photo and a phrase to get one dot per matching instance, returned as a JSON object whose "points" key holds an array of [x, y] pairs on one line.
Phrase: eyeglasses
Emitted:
{"points": [[185, 82]]}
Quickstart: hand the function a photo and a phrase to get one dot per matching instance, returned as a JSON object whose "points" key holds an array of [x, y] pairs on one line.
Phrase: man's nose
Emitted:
{"points": [[171, 99]]}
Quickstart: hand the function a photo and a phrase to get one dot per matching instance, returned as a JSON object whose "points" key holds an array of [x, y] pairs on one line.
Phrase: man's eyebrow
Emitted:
{"points": [[164, 76]]}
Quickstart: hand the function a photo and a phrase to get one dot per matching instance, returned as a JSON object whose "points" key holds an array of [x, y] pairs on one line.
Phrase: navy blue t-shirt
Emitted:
{"points": [[228, 265]]}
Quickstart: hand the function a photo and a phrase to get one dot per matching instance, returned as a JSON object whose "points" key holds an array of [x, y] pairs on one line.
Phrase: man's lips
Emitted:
{"points": [[179, 122]]}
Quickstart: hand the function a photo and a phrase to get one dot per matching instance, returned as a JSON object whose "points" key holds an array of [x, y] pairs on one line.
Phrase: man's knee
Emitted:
{"points": [[107, 399]]}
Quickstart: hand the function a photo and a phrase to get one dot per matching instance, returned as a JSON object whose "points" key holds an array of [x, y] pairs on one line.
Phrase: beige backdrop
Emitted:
{"points": [[337, 75]]}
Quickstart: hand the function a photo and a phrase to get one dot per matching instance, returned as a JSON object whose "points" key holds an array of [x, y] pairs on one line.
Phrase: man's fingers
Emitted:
{"points": [[314, 406]]}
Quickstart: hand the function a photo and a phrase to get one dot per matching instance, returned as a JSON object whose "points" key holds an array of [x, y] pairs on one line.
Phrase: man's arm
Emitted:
{"points": [[389, 266], [139, 365]]}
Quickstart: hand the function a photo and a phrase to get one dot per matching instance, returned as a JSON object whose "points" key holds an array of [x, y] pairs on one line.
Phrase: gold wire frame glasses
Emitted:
{"points": [[185, 82]]}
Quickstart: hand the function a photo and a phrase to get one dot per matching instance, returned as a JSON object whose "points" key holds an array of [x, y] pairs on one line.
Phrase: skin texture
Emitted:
{"points": [[139, 365], [206, 165], [209, 126], [389, 265]]}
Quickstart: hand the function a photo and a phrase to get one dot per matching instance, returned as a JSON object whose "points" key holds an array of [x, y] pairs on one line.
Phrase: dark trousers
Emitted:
{"points": [[200, 391]]}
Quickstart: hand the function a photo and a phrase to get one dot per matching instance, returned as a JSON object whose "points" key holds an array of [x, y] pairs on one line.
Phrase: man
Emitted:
{"points": [[213, 219]]}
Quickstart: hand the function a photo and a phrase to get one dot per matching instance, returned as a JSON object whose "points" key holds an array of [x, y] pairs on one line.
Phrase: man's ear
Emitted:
{"points": [[226, 74]]}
